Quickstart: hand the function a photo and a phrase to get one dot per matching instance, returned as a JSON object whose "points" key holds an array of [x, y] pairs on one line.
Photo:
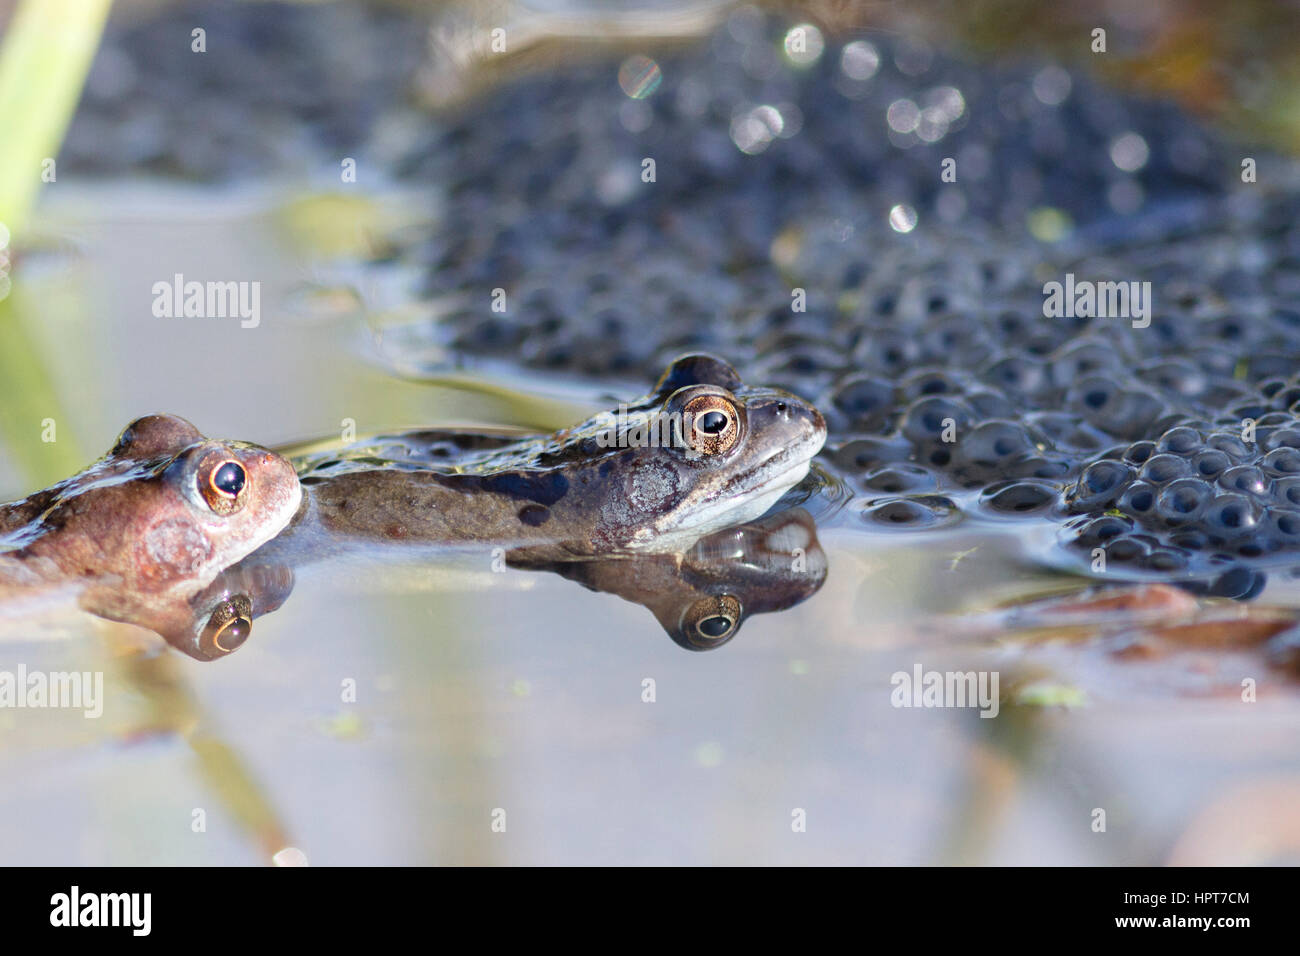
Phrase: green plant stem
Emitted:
{"points": [[43, 63]]}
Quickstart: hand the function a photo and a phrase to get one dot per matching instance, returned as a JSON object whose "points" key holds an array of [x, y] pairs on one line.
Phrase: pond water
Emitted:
{"points": [[442, 708], [478, 692]]}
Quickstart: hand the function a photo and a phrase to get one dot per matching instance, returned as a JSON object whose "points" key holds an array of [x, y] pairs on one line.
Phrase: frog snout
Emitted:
{"points": [[797, 419]]}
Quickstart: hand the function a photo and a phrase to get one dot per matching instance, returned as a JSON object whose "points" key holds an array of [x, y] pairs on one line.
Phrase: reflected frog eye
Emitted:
{"points": [[712, 424], [222, 483], [711, 622], [232, 634], [228, 627], [716, 626]]}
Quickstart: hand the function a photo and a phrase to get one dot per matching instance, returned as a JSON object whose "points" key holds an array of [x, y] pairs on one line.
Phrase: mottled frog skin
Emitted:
{"points": [[600, 487], [149, 524]]}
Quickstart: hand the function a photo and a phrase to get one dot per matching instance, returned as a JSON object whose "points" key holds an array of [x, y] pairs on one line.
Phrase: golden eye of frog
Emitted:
{"points": [[154, 520], [701, 452]]}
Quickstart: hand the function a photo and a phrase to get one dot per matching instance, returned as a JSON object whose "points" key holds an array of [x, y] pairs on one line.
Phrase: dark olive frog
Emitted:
{"points": [[604, 486]]}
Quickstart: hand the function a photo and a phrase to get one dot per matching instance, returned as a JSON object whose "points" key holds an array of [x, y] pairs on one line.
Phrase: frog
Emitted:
{"points": [[148, 525], [699, 452], [563, 502]]}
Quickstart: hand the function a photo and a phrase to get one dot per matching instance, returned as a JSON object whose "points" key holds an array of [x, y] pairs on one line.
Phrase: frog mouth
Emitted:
{"points": [[744, 498], [755, 500], [787, 463], [783, 469]]}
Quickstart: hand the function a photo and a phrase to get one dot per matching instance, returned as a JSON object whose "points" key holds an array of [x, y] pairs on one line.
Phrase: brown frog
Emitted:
{"points": [[149, 524]]}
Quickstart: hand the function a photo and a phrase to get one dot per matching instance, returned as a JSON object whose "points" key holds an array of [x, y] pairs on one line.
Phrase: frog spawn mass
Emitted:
{"points": [[927, 347], [922, 337]]}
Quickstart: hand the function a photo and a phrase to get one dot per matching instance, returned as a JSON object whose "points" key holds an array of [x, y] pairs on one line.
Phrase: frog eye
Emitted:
{"points": [[229, 479], [228, 627], [222, 485], [711, 423], [711, 622]]}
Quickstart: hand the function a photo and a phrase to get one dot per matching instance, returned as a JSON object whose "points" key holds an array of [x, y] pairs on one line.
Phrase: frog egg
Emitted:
{"points": [[1138, 499], [1018, 375], [995, 441], [990, 404], [1138, 452], [1230, 445], [901, 479], [1285, 527], [928, 382], [1100, 484], [863, 398], [928, 419], [1067, 431], [1125, 413], [1246, 479], [1282, 462], [1084, 357], [921, 512], [1190, 539], [1210, 463], [1160, 469], [1287, 437], [1019, 497], [1125, 549], [1099, 530], [1183, 500], [1047, 468], [1231, 515], [1179, 441], [1286, 491], [1181, 378]]}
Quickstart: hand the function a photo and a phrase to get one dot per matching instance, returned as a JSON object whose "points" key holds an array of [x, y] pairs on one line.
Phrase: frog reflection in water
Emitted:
{"points": [[701, 596], [147, 526], [598, 489]]}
